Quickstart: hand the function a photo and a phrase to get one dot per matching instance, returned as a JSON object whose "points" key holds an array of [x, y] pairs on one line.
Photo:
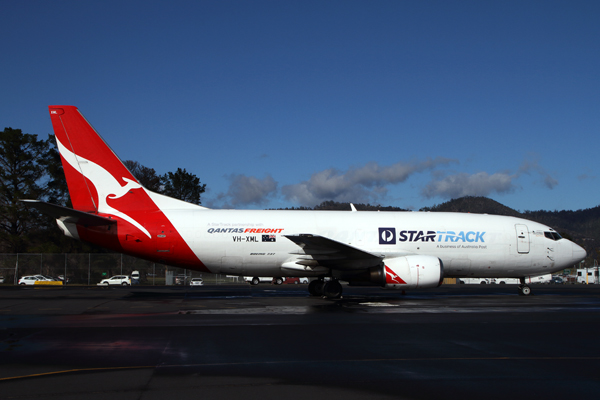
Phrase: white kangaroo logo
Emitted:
{"points": [[106, 184], [395, 278]]}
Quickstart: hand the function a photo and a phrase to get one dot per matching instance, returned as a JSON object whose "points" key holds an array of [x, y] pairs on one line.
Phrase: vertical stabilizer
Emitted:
{"points": [[128, 217], [92, 169]]}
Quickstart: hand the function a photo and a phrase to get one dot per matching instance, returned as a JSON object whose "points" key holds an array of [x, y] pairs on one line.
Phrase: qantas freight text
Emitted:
{"points": [[244, 230]]}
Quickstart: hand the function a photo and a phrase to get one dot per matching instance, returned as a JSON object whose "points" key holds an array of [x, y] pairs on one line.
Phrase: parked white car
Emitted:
{"points": [[196, 282], [31, 279], [255, 280], [123, 280]]}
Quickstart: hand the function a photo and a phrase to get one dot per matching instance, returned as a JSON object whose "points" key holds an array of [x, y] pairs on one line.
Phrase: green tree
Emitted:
{"points": [[57, 191], [146, 176], [183, 185], [21, 174]]}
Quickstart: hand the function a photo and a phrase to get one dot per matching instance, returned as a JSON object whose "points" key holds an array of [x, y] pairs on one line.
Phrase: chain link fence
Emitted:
{"points": [[91, 268]]}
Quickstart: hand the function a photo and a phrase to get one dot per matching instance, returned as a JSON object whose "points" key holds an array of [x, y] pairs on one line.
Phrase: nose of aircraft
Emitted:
{"points": [[579, 253]]}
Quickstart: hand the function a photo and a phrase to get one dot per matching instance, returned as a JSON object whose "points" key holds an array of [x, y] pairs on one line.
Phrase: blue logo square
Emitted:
{"points": [[387, 235]]}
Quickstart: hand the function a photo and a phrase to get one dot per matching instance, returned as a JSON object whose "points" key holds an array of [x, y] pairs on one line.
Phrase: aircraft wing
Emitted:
{"points": [[321, 251], [68, 215]]}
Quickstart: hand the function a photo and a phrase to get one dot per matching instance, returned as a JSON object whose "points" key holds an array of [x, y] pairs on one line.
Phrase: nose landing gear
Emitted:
{"points": [[524, 290]]}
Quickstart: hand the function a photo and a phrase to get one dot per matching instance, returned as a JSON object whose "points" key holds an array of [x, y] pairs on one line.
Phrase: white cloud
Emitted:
{"points": [[363, 184], [530, 166], [485, 184], [463, 184], [584, 177], [370, 184], [248, 190]]}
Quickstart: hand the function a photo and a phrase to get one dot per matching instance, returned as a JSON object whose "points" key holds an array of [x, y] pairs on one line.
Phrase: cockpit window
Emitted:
{"points": [[552, 235]]}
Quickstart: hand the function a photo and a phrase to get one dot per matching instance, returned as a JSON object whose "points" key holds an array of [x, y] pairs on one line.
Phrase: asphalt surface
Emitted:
{"points": [[263, 342]]}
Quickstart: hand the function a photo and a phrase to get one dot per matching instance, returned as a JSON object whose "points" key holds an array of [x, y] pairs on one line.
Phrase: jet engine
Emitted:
{"points": [[409, 272]]}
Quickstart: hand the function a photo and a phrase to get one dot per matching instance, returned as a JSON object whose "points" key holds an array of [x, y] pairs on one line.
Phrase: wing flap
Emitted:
{"points": [[332, 254]]}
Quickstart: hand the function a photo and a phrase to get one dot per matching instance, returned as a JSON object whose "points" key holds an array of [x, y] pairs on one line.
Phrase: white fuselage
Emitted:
{"points": [[246, 242]]}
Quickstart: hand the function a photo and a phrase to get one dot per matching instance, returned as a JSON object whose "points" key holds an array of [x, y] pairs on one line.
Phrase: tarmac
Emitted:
{"points": [[267, 341]]}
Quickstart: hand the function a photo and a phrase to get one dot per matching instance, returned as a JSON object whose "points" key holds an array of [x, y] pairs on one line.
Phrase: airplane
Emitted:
{"points": [[395, 250]]}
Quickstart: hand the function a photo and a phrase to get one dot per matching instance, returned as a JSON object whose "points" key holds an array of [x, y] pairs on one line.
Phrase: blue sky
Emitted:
{"points": [[290, 103]]}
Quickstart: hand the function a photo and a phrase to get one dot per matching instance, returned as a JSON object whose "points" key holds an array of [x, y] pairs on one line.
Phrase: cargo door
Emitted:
{"points": [[522, 239]]}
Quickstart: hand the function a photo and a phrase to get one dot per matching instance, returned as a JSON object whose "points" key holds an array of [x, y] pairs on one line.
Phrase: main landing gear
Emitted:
{"points": [[331, 289], [524, 290]]}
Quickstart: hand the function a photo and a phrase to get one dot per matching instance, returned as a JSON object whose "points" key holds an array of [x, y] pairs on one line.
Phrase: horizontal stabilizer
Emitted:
{"points": [[68, 215]]}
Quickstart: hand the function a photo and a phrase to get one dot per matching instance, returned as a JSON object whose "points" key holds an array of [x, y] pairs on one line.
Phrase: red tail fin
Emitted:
{"points": [[99, 183], [90, 165]]}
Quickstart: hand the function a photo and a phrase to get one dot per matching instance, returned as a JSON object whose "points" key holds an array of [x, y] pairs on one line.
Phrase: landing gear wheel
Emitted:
{"points": [[315, 288], [524, 290], [255, 281], [332, 290]]}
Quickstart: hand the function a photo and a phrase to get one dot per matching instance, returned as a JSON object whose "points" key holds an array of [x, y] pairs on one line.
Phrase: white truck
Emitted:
{"points": [[135, 277], [512, 281], [276, 280], [490, 281], [471, 281], [588, 276]]}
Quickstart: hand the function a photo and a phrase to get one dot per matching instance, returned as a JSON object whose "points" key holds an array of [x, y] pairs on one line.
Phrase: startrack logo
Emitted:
{"points": [[388, 236]]}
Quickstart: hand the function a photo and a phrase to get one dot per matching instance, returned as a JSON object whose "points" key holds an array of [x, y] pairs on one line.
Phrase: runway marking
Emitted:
{"points": [[385, 308], [252, 310], [68, 371], [374, 304], [384, 359]]}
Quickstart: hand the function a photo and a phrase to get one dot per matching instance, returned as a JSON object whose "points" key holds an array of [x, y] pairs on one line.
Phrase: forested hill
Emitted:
{"points": [[477, 205], [581, 225], [337, 206]]}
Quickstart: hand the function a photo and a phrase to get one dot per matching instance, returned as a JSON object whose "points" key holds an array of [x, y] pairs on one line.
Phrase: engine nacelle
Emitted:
{"points": [[411, 272]]}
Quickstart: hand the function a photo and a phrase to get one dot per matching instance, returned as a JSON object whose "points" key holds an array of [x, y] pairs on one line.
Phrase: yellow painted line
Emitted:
{"points": [[74, 370], [299, 362]]}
